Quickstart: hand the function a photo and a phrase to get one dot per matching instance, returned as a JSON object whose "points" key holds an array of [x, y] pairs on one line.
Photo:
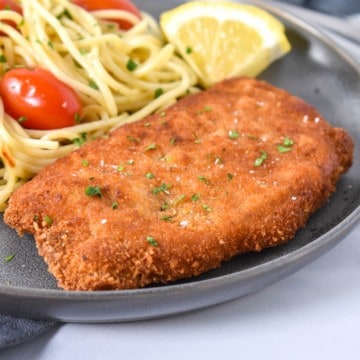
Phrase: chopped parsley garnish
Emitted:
{"points": [[167, 218], [8, 258], [188, 50], [77, 118], [66, 13], [286, 145], [3, 59], [195, 197], [114, 205], [85, 162], [179, 199], [164, 206], [261, 158], [93, 84], [283, 149], [173, 141], [48, 219], [162, 188], [133, 139], [150, 147], [230, 176], [233, 134], [207, 208], [158, 92], [288, 142], [131, 65], [21, 119], [204, 179], [149, 175], [151, 240], [93, 191], [80, 140]]}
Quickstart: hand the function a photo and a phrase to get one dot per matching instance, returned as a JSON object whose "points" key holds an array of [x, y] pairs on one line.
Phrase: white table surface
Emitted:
{"points": [[312, 314]]}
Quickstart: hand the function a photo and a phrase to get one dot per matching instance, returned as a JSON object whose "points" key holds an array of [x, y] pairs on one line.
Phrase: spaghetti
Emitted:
{"points": [[86, 51]]}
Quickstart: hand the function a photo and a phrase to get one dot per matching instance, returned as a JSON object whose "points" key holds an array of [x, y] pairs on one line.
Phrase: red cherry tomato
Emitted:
{"points": [[38, 99], [10, 5], [92, 5]]}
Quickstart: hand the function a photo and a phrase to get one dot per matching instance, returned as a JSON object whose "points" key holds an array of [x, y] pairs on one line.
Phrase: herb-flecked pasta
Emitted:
{"points": [[120, 77]]}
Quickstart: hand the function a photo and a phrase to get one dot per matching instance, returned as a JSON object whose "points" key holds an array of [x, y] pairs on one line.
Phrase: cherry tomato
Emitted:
{"points": [[92, 5], [10, 5], [38, 100]]}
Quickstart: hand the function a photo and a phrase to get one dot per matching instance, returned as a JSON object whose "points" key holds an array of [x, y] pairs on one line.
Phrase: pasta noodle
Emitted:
{"points": [[90, 54]]}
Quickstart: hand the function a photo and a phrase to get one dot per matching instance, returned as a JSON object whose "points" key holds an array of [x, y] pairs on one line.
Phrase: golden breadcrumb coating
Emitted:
{"points": [[237, 168]]}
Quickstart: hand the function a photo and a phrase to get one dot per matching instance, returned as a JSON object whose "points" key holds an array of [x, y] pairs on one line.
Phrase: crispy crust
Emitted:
{"points": [[206, 202]]}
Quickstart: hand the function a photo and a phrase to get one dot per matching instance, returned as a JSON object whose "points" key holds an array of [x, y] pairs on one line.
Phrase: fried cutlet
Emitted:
{"points": [[239, 167]]}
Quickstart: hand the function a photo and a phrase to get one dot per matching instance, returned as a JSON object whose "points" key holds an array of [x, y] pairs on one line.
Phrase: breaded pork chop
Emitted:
{"points": [[237, 168]]}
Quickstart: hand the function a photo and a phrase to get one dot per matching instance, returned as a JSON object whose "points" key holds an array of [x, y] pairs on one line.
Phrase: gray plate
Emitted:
{"points": [[316, 71]]}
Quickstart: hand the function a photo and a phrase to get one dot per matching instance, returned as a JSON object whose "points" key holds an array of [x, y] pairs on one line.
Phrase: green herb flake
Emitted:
{"points": [[48, 220], [66, 13], [195, 197], [164, 206], [50, 44], [162, 188], [188, 50], [131, 65], [84, 51], [151, 240], [167, 218], [158, 92], [21, 119], [207, 208], [8, 258], [208, 108], [204, 179], [263, 156], [3, 59], [114, 205], [230, 176], [149, 175], [133, 139], [179, 199], [233, 134], [77, 118], [93, 191], [93, 84], [173, 141], [80, 140], [150, 147], [120, 168], [288, 142], [283, 149], [85, 163], [286, 146]]}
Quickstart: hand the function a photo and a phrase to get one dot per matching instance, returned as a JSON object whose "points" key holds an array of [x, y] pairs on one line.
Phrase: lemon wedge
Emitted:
{"points": [[221, 39]]}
